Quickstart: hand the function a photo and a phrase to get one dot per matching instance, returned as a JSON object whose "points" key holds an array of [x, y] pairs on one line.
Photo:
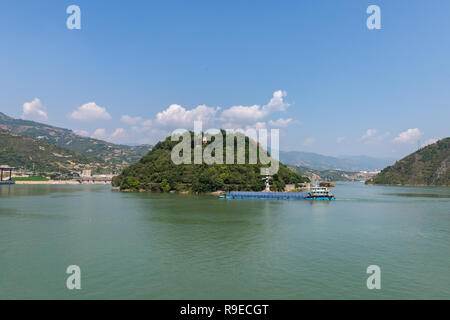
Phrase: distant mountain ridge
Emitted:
{"points": [[428, 166], [320, 162], [116, 156], [331, 175]]}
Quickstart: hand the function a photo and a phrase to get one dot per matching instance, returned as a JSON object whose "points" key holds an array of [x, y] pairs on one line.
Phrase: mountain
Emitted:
{"points": [[116, 156], [331, 175], [157, 172], [321, 162], [428, 166], [31, 154]]}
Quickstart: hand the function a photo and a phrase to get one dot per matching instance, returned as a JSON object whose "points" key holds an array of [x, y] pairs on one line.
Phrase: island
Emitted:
{"points": [[156, 172]]}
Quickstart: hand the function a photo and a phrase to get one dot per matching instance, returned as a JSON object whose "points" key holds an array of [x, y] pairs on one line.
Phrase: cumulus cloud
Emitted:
{"points": [[118, 136], [280, 123], [130, 120], [176, 116], [340, 139], [99, 134], [118, 133], [34, 110], [372, 137], [82, 133], [369, 133], [256, 126], [277, 102], [90, 111], [409, 136], [256, 112], [428, 142], [244, 113]]}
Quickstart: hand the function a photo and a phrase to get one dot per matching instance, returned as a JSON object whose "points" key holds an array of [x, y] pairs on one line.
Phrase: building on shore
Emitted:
{"points": [[86, 177]]}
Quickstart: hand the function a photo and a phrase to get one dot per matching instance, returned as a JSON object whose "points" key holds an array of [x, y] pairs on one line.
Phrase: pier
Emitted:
{"points": [[3, 179]]}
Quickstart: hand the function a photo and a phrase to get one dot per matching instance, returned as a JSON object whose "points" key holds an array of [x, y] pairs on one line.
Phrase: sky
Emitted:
{"points": [[137, 70]]}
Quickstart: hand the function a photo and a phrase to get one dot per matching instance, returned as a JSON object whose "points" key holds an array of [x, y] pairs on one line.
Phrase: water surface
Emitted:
{"points": [[159, 246]]}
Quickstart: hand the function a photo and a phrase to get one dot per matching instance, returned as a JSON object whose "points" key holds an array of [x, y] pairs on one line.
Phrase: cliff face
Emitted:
{"points": [[428, 166]]}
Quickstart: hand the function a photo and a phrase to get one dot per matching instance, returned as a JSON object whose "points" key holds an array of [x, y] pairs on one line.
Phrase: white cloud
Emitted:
{"points": [[371, 136], [118, 133], [82, 133], [429, 141], [90, 111], [280, 123], [99, 134], [130, 120], [34, 110], [409, 136], [340, 139], [244, 113], [256, 126], [147, 123], [369, 133], [277, 103], [175, 116], [256, 112], [309, 141]]}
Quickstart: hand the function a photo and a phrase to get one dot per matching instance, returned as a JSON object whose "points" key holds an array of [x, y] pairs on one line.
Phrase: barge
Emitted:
{"points": [[7, 182], [316, 193]]}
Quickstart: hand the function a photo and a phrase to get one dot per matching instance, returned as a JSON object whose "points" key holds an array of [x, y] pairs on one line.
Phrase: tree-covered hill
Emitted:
{"points": [[28, 153], [428, 166], [115, 156], [157, 172]]}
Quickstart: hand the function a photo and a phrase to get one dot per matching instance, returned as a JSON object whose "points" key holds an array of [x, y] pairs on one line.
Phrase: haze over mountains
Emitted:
{"points": [[321, 162]]}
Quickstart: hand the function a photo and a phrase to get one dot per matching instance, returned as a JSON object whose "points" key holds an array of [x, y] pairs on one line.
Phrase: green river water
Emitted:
{"points": [[161, 246]]}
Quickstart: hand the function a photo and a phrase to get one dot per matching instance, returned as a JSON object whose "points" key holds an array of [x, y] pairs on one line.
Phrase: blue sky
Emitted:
{"points": [[137, 70]]}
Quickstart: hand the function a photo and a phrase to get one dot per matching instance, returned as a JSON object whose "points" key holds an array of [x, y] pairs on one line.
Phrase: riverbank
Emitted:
{"points": [[58, 182]]}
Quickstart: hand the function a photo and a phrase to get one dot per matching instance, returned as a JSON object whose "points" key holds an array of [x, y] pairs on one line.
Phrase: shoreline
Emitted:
{"points": [[59, 182]]}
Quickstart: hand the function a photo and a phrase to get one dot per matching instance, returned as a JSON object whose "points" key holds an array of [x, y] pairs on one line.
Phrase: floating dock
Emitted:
{"points": [[266, 195], [7, 182], [6, 168]]}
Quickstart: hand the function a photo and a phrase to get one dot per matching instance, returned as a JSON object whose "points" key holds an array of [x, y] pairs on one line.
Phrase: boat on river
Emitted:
{"points": [[315, 193]]}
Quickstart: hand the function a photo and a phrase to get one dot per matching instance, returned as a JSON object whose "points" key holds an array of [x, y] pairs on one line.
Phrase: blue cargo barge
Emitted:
{"points": [[278, 195], [316, 193], [266, 195]]}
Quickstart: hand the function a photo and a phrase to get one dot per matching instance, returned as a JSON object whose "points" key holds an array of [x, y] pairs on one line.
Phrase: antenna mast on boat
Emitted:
{"points": [[267, 181]]}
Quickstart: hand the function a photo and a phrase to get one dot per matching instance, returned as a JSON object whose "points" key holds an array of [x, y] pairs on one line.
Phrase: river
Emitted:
{"points": [[162, 246]]}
